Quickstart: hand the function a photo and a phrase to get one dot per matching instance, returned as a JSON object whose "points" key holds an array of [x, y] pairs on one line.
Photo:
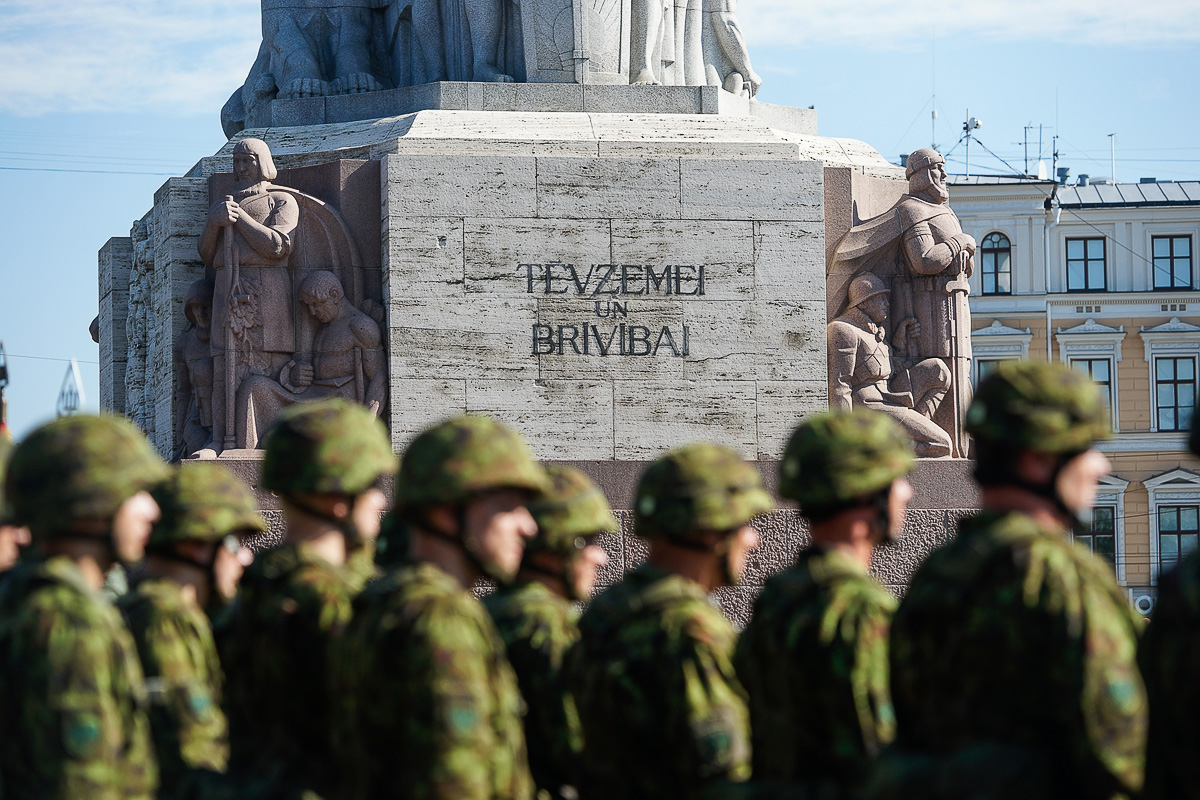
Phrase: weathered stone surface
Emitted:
{"points": [[752, 189], [608, 188], [724, 247], [495, 249], [559, 418], [461, 186], [654, 417], [418, 404], [471, 337]]}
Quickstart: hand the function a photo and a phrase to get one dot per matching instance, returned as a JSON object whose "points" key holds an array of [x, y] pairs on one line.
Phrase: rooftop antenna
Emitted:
{"points": [[1112, 145], [972, 124], [70, 397], [4, 433], [933, 87]]}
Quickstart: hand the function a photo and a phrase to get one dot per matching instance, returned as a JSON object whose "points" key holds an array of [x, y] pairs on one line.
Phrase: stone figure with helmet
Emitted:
{"points": [[538, 620], [189, 569], [814, 657], [72, 685], [325, 461], [1014, 650], [662, 710], [430, 706]]}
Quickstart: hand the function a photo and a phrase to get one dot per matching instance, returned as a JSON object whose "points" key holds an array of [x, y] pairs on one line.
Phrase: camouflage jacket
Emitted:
{"points": [[814, 663], [1170, 661], [538, 627], [275, 643], [431, 705], [662, 711], [183, 680], [72, 700], [1015, 646]]}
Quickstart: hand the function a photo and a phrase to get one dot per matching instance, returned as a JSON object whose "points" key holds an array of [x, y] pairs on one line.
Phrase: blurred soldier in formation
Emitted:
{"points": [[814, 657], [433, 709], [662, 711], [324, 461], [1014, 667], [1170, 660], [202, 505], [72, 698], [538, 621], [12, 537]]}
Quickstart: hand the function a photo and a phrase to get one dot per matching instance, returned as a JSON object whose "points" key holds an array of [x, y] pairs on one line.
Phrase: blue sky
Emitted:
{"points": [[102, 100]]}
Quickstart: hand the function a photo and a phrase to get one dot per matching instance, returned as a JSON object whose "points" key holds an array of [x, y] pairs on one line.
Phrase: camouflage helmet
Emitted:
{"points": [[837, 457], [327, 447], [5, 452], [700, 487], [79, 468], [205, 502], [572, 507], [1038, 406], [462, 457]]}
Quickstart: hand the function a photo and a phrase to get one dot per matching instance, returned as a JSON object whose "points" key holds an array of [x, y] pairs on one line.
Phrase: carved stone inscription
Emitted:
{"points": [[612, 338]]}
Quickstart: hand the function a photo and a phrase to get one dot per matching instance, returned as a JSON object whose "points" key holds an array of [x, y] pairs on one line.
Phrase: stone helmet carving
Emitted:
{"points": [[864, 287], [199, 293], [258, 148], [921, 159]]}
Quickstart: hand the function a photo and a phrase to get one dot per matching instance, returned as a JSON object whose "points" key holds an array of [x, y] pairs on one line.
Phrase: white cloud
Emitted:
{"points": [[887, 24], [169, 56]]}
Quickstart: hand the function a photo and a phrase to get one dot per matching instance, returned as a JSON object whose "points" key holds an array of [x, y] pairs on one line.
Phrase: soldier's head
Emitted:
{"points": [[322, 293], [1035, 426], [571, 516], [252, 162], [467, 482], [702, 498], [12, 537], [841, 466], [206, 515], [326, 461], [197, 306], [868, 292], [926, 173], [82, 484]]}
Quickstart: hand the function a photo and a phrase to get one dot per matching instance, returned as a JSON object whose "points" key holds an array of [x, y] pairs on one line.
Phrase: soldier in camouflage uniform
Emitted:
{"points": [[72, 698], [202, 505], [538, 620], [324, 461], [1014, 667], [814, 657], [432, 706], [12, 537], [663, 713], [1170, 660]]}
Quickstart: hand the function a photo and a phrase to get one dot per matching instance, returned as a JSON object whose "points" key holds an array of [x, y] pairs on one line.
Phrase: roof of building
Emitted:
{"points": [[1099, 195]]}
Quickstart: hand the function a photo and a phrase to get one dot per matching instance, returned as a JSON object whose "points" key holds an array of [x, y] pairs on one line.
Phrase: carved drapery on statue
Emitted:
{"points": [[920, 258], [262, 245]]}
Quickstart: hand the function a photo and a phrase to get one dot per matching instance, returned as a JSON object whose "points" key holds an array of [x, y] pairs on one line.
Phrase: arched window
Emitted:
{"points": [[995, 253]]}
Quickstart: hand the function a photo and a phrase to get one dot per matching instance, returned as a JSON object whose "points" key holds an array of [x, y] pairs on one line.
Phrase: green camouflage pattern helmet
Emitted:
{"points": [[1039, 406], [699, 487], [457, 459], [327, 447], [205, 502], [838, 457], [572, 507], [6, 448], [79, 468]]}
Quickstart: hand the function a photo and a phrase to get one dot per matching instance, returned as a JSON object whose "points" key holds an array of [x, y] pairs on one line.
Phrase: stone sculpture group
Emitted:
{"points": [[280, 319], [317, 48]]}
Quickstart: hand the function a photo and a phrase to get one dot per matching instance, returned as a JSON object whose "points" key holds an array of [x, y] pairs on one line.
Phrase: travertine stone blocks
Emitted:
{"points": [[115, 262]]}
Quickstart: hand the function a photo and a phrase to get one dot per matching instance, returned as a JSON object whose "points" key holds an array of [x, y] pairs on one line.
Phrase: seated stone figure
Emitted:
{"points": [[194, 370], [861, 371], [347, 361]]}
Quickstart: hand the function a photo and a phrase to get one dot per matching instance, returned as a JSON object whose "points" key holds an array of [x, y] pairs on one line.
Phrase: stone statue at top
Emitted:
{"points": [[918, 252], [325, 48]]}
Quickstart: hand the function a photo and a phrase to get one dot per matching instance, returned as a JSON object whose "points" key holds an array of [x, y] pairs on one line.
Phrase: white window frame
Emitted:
{"points": [[1176, 487], [998, 342], [1095, 341], [1174, 339], [1110, 491]]}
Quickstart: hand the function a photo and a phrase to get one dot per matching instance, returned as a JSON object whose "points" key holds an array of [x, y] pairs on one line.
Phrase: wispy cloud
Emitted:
{"points": [[172, 56], [887, 24]]}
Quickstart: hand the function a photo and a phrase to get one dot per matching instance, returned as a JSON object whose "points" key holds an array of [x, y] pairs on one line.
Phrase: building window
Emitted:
{"points": [[1178, 533], [995, 252], [1100, 371], [985, 367], [1172, 262], [1100, 537], [1085, 265], [1175, 392]]}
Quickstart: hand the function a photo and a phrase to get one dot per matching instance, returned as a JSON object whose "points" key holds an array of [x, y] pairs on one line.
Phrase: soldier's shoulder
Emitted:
{"points": [[532, 611], [53, 589], [290, 567], [422, 594]]}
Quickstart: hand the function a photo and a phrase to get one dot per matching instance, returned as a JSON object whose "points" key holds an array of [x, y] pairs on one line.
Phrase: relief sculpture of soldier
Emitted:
{"points": [[918, 250], [246, 241], [861, 372], [194, 370]]}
